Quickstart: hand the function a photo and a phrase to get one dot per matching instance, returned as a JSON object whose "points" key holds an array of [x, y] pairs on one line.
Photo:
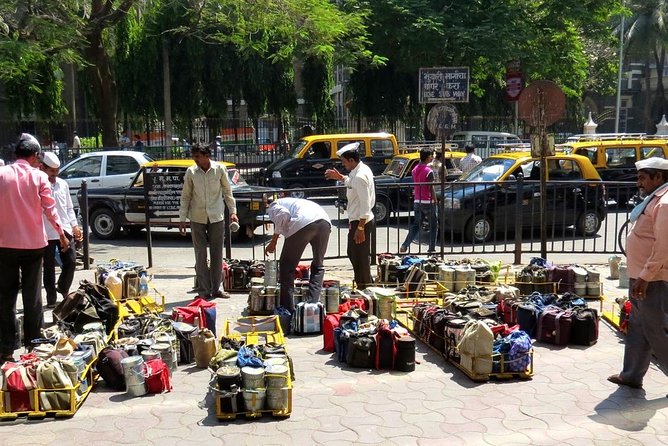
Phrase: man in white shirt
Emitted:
{"points": [[61, 193], [301, 222], [361, 194], [470, 160], [206, 192]]}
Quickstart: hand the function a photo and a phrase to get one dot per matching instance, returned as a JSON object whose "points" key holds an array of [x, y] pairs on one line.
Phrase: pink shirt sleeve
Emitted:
{"points": [[658, 257]]}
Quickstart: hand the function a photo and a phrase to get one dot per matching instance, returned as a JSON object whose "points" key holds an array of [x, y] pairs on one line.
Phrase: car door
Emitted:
{"points": [[88, 168], [564, 199], [502, 197], [310, 171], [381, 153], [119, 170]]}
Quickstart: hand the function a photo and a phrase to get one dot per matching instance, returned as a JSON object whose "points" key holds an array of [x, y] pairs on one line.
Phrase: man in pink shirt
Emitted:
{"points": [[647, 266], [424, 204], [25, 194]]}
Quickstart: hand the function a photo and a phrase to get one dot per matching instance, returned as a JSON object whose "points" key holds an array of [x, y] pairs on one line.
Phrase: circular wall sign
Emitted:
{"points": [[442, 119]]}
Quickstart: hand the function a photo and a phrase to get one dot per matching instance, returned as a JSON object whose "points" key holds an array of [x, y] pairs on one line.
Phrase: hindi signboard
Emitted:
{"points": [[444, 84], [163, 193]]}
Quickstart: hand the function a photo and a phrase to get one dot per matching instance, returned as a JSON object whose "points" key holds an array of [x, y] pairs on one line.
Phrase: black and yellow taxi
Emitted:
{"points": [[111, 209], [486, 200], [614, 157]]}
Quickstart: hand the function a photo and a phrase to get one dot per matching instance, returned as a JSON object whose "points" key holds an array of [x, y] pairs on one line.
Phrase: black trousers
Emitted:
{"points": [[360, 254], [69, 260], [29, 263]]}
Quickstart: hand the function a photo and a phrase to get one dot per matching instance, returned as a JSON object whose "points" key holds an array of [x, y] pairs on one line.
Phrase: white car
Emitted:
{"points": [[114, 168]]}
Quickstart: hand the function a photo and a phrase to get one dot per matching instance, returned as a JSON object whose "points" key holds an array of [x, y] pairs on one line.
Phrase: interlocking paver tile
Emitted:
{"points": [[344, 436]]}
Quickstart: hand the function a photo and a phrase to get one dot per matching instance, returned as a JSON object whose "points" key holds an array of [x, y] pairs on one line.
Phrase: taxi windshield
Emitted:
{"points": [[396, 167], [490, 169], [295, 149]]}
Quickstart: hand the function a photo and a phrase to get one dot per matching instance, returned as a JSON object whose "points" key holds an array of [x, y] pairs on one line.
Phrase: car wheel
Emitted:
{"points": [[479, 229], [297, 190], [588, 223], [381, 210], [104, 224]]}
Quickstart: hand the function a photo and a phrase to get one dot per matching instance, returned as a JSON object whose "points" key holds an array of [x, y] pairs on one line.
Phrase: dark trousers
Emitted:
{"points": [[360, 254], [648, 333], [69, 261], [317, 235], [209, 275], [29, 263]]}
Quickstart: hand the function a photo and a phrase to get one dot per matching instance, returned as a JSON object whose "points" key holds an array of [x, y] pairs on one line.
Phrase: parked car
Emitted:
{"points": [[305, 163], [614, 157], [115, 168], [394, 192], [111, 209], [484, 201]]}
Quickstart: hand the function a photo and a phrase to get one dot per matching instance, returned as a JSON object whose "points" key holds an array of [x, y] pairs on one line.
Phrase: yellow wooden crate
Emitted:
{"points": [[255, 330]]}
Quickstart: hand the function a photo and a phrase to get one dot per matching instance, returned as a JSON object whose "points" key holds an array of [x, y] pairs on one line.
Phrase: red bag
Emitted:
{"points": [[156, 376], [331, 322], [198, 308], [302, 272], [353, 303], [19, 385]]}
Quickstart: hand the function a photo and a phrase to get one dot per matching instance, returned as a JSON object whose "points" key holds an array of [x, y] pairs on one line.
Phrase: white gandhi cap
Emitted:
{"points": [[347, 148], [652, 163], [51, 160]]}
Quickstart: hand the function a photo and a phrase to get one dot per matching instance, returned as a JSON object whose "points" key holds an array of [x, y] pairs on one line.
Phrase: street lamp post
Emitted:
{"points": [[618, 105]]}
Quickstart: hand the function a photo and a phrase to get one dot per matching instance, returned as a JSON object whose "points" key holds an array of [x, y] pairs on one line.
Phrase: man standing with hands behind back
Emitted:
{"points": [[206, 191], [68, 219], [647, 263], [361, 194], [25, 193]]}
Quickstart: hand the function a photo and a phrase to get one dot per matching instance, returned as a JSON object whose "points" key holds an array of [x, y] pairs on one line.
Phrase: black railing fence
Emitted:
{"points": [[581, 218]]}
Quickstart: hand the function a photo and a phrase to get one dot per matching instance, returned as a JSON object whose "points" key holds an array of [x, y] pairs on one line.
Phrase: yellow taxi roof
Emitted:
{"points": [[347, 136], [446, 154], [184, 163]]}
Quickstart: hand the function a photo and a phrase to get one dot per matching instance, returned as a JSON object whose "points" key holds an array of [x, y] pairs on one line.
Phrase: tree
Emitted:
{"points": [[548, 36]]}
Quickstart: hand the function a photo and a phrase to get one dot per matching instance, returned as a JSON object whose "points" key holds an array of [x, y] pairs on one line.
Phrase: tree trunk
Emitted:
{"points": [[103, 80]]}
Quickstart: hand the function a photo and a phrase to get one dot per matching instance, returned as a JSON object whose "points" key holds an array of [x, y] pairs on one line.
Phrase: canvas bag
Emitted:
{"points": [[50, 375], [19, 385]]}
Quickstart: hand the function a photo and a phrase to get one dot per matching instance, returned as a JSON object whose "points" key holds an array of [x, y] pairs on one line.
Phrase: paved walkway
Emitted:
{"points": [[568, 401]]}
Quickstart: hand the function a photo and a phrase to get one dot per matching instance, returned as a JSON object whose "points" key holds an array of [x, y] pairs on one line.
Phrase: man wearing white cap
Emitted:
{"points": [[25, 194], [65, 209], [647, 265], [361, 194]]}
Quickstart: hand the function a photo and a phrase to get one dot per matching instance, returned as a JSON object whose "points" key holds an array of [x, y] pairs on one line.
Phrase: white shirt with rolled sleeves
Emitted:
{"points": [[289, 215], [361, 193], [204, 193], [68, 219]]}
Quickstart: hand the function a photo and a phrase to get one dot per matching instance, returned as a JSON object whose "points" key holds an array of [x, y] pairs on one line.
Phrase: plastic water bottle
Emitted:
{"points": [[143, 285]]}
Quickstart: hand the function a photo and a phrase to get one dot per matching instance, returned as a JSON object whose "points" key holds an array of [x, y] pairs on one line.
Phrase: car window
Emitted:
{"points": [[563, 169], [651, 152], [620, 156], [490, 169], [382, 147], [85, 167], [480, 142], [319, 150], [235, 178], [589, 152], [395, 167], [121, 165], [361, 149]]}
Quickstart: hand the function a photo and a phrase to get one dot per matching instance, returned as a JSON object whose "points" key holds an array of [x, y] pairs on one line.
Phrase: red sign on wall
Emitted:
{"points": [[514, 80]]}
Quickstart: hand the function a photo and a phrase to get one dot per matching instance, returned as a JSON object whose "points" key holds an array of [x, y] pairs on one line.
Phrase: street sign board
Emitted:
{"points": [[442, 119], [444, 84], [163, 193]]}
